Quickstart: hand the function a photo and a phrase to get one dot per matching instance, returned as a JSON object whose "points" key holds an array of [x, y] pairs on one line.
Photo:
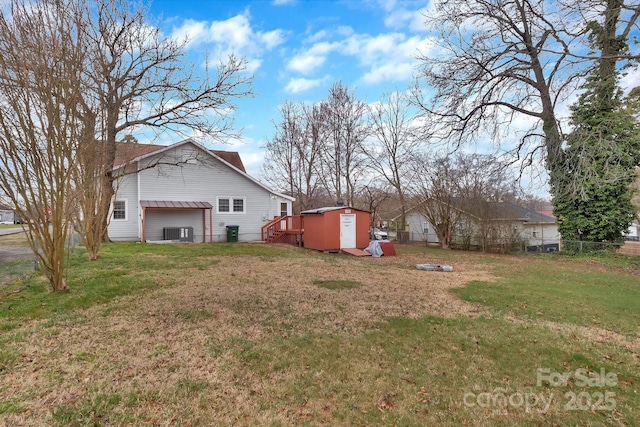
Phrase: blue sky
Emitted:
{"points": [[297, 49]]}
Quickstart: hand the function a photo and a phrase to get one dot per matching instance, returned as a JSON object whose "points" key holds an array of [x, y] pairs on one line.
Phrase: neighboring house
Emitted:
{"points": [[7, 215], [186, 192], [508, 223], [633, 233]]}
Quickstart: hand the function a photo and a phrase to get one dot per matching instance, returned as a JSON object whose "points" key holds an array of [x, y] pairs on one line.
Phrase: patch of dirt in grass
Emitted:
{"points": [[273, 295], [596, 334], [589, 333], [146, 353]]}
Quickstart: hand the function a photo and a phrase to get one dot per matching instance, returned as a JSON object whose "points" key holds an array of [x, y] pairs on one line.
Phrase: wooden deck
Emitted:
{"points": [[284, 229]]}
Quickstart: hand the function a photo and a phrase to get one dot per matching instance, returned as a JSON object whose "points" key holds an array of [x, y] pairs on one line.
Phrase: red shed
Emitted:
{"points": [[335, 228]]}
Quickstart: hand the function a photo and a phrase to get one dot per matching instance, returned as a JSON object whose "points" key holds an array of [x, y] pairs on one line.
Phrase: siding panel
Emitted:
{"points": [[156, 220], [127, 230]]}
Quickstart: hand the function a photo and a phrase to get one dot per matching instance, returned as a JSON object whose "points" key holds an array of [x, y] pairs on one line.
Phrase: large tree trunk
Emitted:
{"points": [[110, 156]]}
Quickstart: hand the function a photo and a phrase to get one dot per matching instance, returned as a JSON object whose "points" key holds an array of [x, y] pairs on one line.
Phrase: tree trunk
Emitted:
{"points": [[108, 177], [108, 193]]}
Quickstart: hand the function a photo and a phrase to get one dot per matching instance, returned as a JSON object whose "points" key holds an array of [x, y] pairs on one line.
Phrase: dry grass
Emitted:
{"points": [[15, 239], [151, 346], [251, 340]]}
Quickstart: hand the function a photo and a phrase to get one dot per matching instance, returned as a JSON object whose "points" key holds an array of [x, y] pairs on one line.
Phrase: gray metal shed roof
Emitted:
{"points": [[167, 204], [329, 209]]}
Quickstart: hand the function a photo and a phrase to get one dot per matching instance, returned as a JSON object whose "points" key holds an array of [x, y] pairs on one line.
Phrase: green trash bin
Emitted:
{"points": [[232, 233]]}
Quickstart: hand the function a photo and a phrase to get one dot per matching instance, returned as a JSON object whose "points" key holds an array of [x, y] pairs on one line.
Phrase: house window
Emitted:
{"points": [[283, 209], [120, 210], [425, 228], [223, 205], [231, 205]]}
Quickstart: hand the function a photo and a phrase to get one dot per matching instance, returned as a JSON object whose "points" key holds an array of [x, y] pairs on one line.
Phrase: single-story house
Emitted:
{"points": [[507, 222], [633, 233], [7, 215], [186, 192]]}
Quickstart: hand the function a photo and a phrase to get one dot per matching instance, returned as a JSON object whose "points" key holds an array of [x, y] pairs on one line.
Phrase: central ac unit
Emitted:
{"points": [[182, 234]]}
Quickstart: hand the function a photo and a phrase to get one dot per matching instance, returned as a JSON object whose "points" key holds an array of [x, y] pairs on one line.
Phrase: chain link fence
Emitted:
{"points": [[582, 246]]}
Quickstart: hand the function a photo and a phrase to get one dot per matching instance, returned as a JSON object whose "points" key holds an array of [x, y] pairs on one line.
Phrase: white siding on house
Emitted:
{"points": [[541, 234], [157, 219], [416, 229], [203, 178], [127, 189], [532, 234], [7, 216]]}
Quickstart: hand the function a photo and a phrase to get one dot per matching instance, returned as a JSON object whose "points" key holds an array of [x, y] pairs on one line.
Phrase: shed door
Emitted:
{"points": [[347, 231]]}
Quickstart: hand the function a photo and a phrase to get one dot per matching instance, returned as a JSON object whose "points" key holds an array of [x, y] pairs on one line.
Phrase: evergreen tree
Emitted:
{"points": [[603, 149]]}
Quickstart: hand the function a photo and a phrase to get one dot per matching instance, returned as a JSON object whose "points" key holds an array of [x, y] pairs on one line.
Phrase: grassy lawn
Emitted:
{"points": [[10, 226], [251, 334]]}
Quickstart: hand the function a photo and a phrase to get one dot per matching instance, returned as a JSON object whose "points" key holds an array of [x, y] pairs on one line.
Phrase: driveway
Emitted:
{"points": [[7, 231], [8, 251], [14, 252]]}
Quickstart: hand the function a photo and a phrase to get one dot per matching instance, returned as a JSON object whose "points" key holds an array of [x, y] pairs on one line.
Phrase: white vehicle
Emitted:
{"points": [[379, 234]]}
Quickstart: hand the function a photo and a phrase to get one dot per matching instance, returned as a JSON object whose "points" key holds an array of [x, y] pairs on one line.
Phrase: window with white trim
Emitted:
{"points": [[119, 210], [231, 205]]}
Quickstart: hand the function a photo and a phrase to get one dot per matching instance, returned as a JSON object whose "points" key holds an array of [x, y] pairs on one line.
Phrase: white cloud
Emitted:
{"points": [[388, 56], [306, 63], [190, 30], [310, 60], [631, 79], [317, 36], [251, 153], [405, 14], [283, 2], [271, 39], [252, 162], [388, 72], [387, 4], [400, 18], [302, 84], [234, 35]]}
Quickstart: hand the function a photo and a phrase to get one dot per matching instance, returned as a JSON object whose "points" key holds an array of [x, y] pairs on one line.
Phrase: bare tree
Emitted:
{"points": [[141, 79], [499, 60], [463, 197], [293, 154], [315, 135], [371, 197], [392, 145], [485, 190], [434, 191], [282, 163], [343, 162], [41, 85], [88, 192]]}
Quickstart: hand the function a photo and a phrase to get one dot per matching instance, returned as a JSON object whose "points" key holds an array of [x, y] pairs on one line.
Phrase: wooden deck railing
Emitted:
{"points": [[284, 229]]}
